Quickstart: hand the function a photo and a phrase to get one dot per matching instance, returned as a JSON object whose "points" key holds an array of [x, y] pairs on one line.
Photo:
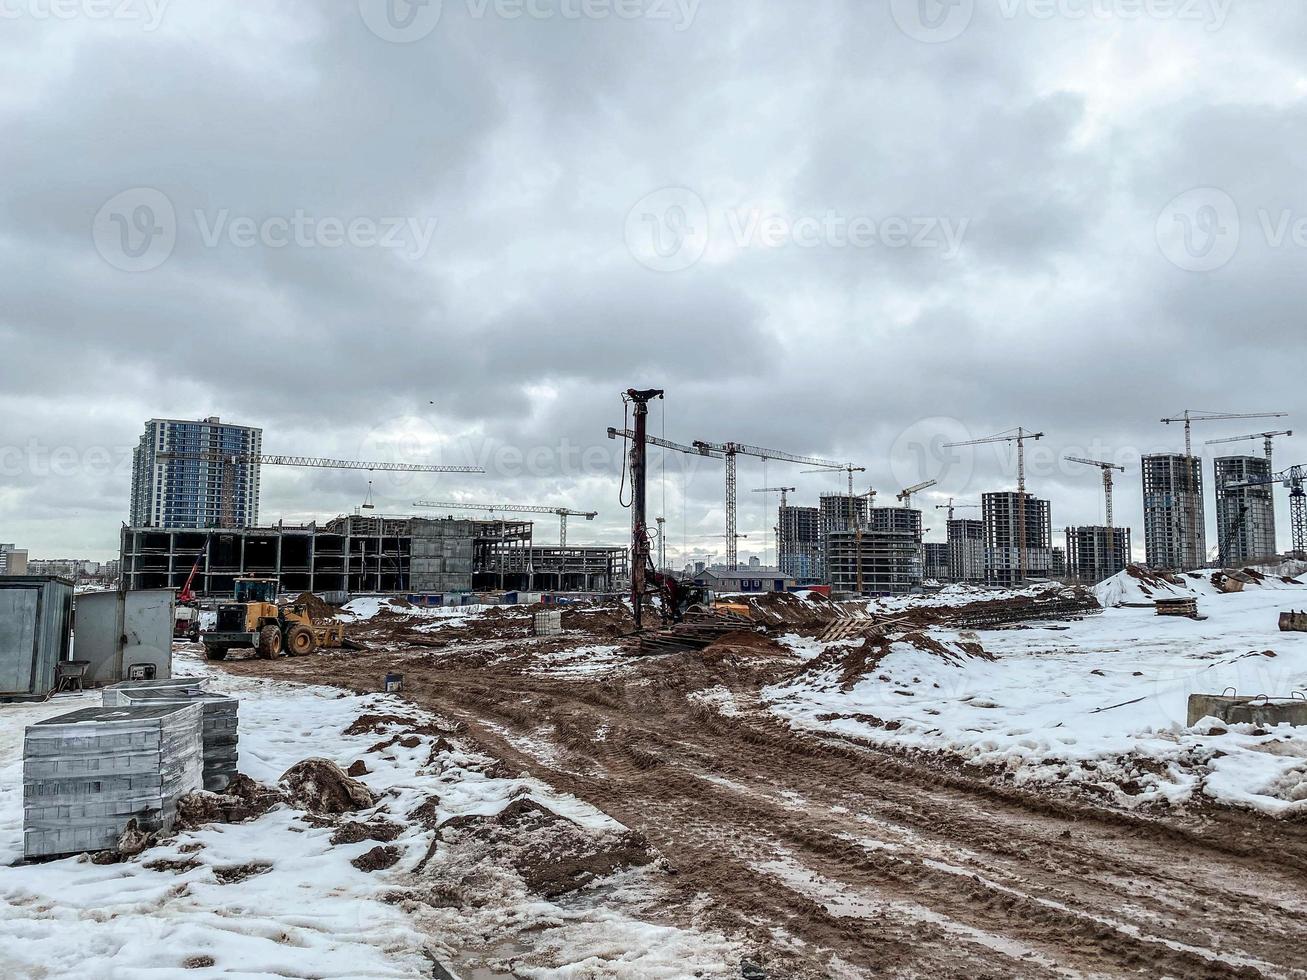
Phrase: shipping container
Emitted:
{"points": [[35, 620]]}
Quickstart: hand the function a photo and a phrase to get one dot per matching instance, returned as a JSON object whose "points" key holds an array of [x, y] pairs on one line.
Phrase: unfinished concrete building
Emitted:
{"points": [[1003, 513], [883, 558], [367, 555], [800, 531], [1245, 518], [966, 550], [1096, 553], [840, 512], [1175, 538], [936, 560]]}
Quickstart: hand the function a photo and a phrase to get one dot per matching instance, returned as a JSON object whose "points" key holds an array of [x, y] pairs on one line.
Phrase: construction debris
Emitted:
{"points": [[1293, 622]]}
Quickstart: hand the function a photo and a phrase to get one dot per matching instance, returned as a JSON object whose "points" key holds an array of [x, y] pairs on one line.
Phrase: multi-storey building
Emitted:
{"points": [[1096, 553], [840, 512], [1003, 517], [937, 560], [800, 534], [186, 474], [966, 550], [883, 557], [1245, 518], [1174, 536]]}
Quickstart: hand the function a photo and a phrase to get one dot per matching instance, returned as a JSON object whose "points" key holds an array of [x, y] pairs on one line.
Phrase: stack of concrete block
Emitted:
{"points": [[87, 774], [547, 623], [220, 737]]}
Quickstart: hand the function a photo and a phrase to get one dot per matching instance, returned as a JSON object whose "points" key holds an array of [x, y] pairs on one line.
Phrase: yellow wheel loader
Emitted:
{"points": [[256, 620]]}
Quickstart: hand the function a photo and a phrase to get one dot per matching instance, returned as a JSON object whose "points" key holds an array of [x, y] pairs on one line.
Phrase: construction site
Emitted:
{"points": [[987, 755]]}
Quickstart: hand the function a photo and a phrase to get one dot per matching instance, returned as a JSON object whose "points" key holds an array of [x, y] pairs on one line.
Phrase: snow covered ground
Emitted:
{"points": [[1100, 703], [275, 898]]}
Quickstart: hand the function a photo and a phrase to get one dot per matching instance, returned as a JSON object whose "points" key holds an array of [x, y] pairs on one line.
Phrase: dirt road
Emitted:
{"points": [[836, 859]]}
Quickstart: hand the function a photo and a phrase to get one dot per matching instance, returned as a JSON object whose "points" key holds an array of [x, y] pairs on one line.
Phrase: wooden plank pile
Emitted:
{"points": [[693, 634]]}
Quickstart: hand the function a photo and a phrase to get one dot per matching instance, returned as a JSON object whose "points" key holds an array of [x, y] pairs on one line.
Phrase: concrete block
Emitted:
{"points": [[1233, 710]]}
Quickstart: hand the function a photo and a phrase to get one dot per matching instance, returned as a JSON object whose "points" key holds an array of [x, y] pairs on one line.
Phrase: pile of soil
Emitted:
{"points": [[378, 859], [553, 855], [243, 799], [355, 832], [856, 662], [787, 609], [603, 621], [1150, 580], [321, 786], [317, 610]]}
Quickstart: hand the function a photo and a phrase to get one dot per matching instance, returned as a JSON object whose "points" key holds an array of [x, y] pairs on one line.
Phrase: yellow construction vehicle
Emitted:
{"points": [[256, 620]]}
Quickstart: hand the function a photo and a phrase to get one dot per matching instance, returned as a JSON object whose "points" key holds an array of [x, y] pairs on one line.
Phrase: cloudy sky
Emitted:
{"points": [[456, 232]]}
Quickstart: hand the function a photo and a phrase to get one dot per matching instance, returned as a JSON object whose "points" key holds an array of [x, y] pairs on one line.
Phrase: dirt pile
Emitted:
{"points": [[321, 786], [553, 855], [355, 832], [378, 859], [856, 661], [243, 799], [604, 621], [775, 609], [318, 611]]}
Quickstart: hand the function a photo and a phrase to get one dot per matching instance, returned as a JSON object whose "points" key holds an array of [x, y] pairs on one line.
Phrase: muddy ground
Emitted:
{"points": [[831, 858]]}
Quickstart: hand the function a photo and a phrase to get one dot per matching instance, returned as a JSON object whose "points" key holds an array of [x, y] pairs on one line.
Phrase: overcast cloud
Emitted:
{"points": [[456, 232]]}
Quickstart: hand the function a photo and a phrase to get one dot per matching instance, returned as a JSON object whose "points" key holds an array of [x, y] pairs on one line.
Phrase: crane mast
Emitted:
{"points": [[1107, 469]]}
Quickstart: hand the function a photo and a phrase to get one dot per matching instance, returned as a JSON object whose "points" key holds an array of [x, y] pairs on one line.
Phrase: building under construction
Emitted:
{"points": [[800, 537], [367, 555], [1003, 514], [936, 560], [966, 550], [1096, 553], [840, 512], [1245, 518], [1175, 538], [884, 557]]}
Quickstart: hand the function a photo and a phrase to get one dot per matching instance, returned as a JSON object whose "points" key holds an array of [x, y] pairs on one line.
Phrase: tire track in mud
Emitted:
{"points": [[837, 856]]}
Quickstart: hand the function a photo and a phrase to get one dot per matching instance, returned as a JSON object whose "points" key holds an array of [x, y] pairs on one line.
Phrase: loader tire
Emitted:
{"points": [[300, 641], [270, 642], [215, 653]]}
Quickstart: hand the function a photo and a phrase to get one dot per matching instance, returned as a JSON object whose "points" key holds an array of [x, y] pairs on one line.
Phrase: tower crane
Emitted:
{"points": [[1108, 563], [1269, 438], [1188, 417], [230, 461], [905, 496], [850, 469], [563, 513], [1019, 436], [951, 507], [1107, 469], [1294, 478], [733, 449], [780, 530]]}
